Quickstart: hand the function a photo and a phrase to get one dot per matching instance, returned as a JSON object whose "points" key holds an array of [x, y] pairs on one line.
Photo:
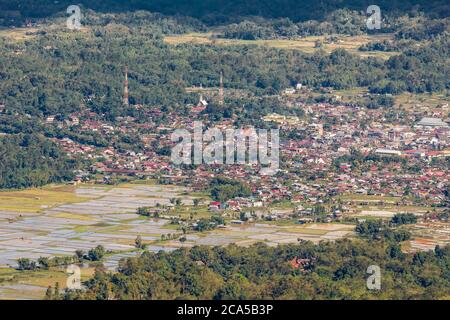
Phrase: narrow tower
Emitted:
{"points": [[221, 90], [125, 88]]}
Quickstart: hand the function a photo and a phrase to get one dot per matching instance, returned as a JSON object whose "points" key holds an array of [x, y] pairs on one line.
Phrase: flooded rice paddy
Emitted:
{"points": [[106, 216]]}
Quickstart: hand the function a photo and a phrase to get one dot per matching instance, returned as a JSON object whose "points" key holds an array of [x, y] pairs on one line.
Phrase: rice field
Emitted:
{"points": [[38, 199], [58, 220]]}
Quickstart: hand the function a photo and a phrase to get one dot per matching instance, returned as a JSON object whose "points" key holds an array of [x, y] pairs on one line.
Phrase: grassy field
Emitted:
{"points": [[33, 284], [306, 44], [424, 101], [17, 34], [198, 212], [151, 182], [305, 231], [409, 102], [73, 216], [361, 197], [37, 199]]}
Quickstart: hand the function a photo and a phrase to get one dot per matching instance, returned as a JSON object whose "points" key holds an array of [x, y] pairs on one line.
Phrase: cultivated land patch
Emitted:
{"points": [[38, 199], [414, 102], [306, 44], [18, 34], [30, 285]]}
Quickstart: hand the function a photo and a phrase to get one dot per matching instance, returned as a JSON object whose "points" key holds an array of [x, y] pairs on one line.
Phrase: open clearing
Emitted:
{"points": [[18, 34], [307, 44], [423, 101]]}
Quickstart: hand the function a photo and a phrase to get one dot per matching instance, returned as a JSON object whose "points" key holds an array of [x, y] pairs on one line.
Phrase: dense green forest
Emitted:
{"points": [[31, 161], [329, 271]]}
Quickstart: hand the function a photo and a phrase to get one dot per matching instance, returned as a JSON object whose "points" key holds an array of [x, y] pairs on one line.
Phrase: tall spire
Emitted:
{"points": [[125, 88], [221, 89]]}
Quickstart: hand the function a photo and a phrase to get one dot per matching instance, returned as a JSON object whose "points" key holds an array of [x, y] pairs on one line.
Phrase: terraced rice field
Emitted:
{"points": [[57, 221]]}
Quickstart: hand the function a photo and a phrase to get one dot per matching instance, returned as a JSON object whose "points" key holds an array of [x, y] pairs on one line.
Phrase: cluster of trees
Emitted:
{"points": [[380, 101], [336, 271], [356, 159], [408, 71], [379, 229], [44, 263], [208, 224], [150, 24], [424, 29], [95, 254], [13, 122], [148, 212], [404, 218], [26, 264], [30, 160], [155, 213], [223, 189], [384, 45]]}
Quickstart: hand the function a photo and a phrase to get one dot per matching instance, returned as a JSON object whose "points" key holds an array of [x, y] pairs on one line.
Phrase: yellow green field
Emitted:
{"points": [[368, 198], [307, 44], [415, 102], [37, 199], [17, 34], [305, 231], [40, 279], [65, 215]]}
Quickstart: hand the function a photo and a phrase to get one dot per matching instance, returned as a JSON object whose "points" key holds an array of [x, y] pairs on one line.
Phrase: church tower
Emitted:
{"points": [[125, 88], [221, 99]]}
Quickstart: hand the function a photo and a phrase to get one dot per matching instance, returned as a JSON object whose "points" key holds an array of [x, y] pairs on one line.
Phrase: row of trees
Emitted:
{"points": [[44, 263], [223, 189]]}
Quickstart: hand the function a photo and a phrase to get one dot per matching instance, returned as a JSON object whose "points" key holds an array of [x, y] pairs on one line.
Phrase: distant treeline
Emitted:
{"points": [[59, 72], [225, 11]]}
